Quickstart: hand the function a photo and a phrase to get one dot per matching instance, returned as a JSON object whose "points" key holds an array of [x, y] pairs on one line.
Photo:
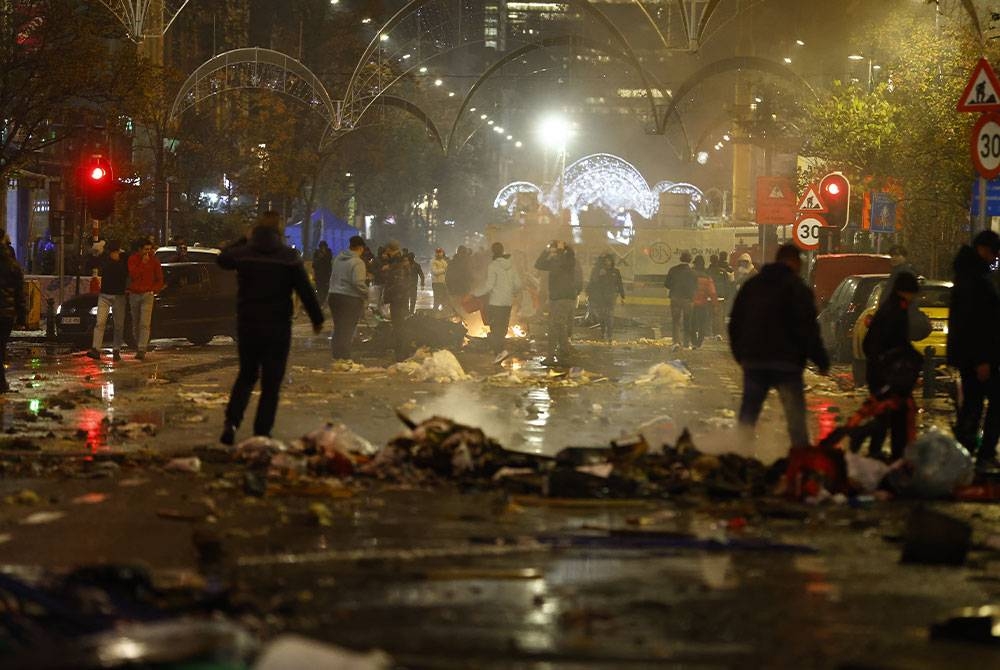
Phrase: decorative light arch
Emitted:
{"points": [[145, 18], [507, 197]]}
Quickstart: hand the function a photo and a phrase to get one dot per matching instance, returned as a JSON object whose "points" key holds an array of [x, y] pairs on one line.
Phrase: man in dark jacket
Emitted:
{"points": [[559, 261], [682, 283], [322, 267], [112, 299], [395, 272], [13, 310], [974, 345], [267, 272], [772, 333]]}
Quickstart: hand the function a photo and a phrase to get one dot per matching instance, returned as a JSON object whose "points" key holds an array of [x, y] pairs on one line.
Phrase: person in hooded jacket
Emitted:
{"points": [[13, 309], [893, 367], [974, 346], [348, 292], [396, 275], [267, 273], [772, 333], [501, 285], [702, 304], [559, 260], [439, 268], [604, 286]]}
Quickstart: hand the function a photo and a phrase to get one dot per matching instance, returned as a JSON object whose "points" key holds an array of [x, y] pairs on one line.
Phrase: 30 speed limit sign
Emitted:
{"points": [[806, 232], [985, 145]]}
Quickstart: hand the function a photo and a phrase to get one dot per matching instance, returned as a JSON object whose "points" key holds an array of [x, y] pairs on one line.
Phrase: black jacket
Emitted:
{"points": [[773, 322], [267, 272], [891, 362], [561, 267], [322, 264], [395, 273], [114, 274], [974, 313], [682, 282], [12, 303]]}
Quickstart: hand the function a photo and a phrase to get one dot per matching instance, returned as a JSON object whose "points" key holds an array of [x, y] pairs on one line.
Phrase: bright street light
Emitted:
{"points": [[438, 82], [855, 57], [788, 61], [800, 43], [555, 131]]}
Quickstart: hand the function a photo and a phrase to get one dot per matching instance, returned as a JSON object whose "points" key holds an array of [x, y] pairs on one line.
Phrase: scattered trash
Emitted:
{"points": [[132, 430], [863, 473], [935, 538], [321, 514], [205, 398], [939, 465], [39, 518], [291, 652], [191, 464], [672, 373], [440, 367], [23, 497], [90, 499], [980, 625]]}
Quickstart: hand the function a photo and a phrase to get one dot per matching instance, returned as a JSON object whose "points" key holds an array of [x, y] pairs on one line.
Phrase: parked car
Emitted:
{"points": [[194, 254], [934, 298], [836, 321], [828, 270], [198, 302]]}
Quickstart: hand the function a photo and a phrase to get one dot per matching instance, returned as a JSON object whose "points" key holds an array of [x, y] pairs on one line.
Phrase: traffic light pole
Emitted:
{"points": [[981, 222]]}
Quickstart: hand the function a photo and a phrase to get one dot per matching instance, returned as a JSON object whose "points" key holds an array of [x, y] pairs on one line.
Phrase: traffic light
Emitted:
{"points": [[99, 186], [836, 193]]}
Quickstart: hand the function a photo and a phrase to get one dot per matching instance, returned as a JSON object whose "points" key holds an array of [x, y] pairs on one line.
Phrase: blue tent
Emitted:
{"points": [[325, 226]]}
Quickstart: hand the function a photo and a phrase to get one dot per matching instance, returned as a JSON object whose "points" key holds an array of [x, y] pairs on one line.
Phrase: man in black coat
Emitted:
{"points": [[682, 283], [322, 267], [559, 260], [267, 272], [111, 300], [974, 346], [772, 333]]}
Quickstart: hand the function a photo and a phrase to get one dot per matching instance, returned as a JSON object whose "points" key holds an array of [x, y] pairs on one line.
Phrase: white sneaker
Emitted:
{"points": [[501, 357]]}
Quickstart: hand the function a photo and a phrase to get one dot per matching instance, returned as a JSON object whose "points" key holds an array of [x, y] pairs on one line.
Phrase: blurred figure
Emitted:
{"points": [[744, 270], [395, 273], [13, 310], [722, 275], [682, 283], [900, 263], [111, 300], [458, 276], [974, 347], [559, 261], [348, 293], [439, 268], [702, 304], [267, 273], [416, 274], [322, 266], [501, 285], [181, 250], [145, 281], [604, 286]]}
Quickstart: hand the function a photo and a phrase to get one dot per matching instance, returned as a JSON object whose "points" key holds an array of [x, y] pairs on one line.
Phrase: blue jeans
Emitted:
{"points": [[791, 390]]}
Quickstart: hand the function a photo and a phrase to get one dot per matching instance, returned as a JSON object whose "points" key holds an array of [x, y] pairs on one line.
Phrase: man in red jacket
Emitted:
{"points": [[145, 279]]}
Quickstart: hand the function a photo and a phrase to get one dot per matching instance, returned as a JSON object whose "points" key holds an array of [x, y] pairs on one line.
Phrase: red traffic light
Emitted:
{"points": [[833, 188], [98, 173], [837, 198], [97, 181]]}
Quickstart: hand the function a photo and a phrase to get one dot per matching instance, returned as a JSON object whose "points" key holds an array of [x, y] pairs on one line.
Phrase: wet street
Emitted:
{"points": [[97, 470]]}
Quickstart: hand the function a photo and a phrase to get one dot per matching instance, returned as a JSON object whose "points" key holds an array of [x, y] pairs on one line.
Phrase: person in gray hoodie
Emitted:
{"points": [[502, 283], [348, 292]]}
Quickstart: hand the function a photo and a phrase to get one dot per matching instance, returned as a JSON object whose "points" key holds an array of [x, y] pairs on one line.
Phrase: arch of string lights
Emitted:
{"points": [[601, 180]]}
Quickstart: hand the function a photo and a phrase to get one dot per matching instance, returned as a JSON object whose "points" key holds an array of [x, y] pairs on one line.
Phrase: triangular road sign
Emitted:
{"points": [[982, 93], [777, 193], [812, 203]]}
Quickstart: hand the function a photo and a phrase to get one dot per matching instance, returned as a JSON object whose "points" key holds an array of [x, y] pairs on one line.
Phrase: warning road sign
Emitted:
{"points": [[806, 232], [982, 93], [775, 201], [811, 203]]}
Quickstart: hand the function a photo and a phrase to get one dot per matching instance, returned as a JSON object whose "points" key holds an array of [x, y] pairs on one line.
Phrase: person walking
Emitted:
{"points": [[416, 276], [974, 346], [604, 286], [502, 284], [702, 304], [458, 276], [395, 273], [772, 333], [348, 292], [111, 300], [145, 281], [893, 368], [745, 269], [559, 261], [722, 275], [13, 308], [682, 283], [267, 273], [322, 266], [439, 268]]}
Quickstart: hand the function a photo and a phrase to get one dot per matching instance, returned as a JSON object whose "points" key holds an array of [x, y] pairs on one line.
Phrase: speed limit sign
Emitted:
{"points": [[985, 145], [806, 232]]}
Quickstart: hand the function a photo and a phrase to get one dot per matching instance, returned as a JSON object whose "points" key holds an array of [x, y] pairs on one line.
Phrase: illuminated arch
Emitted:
{"points": [[737, 63], [607, 180], [256, 68], [139, 21], [507, 197]]}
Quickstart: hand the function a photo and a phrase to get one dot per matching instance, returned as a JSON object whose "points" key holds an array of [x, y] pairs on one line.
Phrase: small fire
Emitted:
{"points": [[518, 331]]}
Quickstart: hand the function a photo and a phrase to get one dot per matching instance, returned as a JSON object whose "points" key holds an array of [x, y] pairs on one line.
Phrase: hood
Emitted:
{"points": [[266, 239], [776, 271], [503, 261], [968, 262], [745, 257], [346, 255]]}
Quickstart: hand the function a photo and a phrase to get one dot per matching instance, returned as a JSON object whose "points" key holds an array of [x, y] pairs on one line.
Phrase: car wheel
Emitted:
{"points": [[859, 371], [200, 339]]}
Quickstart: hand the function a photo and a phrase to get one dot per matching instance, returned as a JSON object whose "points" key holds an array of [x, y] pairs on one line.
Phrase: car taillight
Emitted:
{"points": [[868, 321]]}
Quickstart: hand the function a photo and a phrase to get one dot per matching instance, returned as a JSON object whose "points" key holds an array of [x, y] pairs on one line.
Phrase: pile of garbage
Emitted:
{"points": [[440, 367], [671, 373]]}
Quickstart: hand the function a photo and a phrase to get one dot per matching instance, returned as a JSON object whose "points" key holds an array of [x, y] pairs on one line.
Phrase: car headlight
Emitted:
{"points": [[59, 310], [93, 310]]}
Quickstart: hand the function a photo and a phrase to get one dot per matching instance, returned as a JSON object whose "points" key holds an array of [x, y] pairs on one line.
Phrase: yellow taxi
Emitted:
{"points": [[934, 298]]}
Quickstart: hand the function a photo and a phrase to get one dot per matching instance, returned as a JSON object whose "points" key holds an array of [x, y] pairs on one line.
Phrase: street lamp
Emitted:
{"points": [[857, 58], [555, 132]]}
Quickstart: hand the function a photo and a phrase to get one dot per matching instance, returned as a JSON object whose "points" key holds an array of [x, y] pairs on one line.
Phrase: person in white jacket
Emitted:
{"points": [[502, 284], [439, 267]]}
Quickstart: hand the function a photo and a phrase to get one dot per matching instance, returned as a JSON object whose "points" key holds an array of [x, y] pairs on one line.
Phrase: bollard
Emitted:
{"points": [[50, 319], [929, 371]]}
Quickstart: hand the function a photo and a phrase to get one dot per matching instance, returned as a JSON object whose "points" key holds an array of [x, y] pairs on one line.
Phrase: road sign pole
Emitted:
{"points": [[981, 223]]}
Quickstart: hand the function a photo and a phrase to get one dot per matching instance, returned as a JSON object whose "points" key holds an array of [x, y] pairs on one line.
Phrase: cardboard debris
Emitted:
{"points": [[440, 367], [671, 373]]}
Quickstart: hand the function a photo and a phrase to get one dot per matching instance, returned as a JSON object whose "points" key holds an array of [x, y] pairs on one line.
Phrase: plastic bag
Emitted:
{"points": [[940, 465]]}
